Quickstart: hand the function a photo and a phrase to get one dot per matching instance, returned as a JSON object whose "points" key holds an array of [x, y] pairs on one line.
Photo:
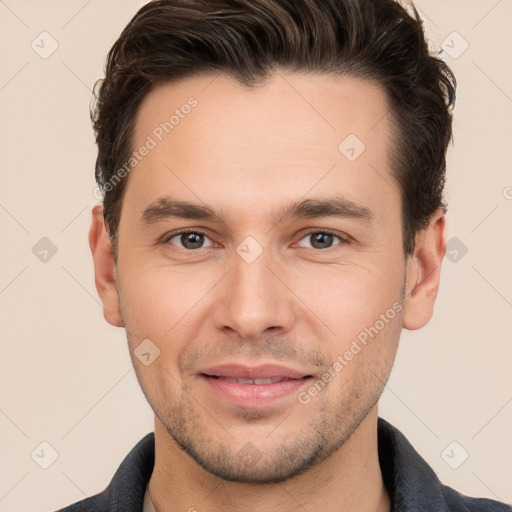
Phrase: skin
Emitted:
{"points": [[244, 152]]}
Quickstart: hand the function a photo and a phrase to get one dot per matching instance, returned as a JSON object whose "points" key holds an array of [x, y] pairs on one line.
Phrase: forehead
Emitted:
{"points": [[217, 140]]}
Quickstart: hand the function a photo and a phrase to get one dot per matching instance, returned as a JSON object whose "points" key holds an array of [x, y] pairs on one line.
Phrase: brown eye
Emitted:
{"points": [[189, 240]]}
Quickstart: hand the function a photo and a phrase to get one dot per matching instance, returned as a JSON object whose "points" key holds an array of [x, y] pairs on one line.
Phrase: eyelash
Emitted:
{"points": [[343, 240]]}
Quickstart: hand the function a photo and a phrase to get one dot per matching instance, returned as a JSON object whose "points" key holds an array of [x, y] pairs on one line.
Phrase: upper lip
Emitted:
{"points": [[264, 371]]}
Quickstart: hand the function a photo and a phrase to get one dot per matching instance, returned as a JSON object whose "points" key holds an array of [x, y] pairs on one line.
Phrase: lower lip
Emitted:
{"points": [[253, 395]]}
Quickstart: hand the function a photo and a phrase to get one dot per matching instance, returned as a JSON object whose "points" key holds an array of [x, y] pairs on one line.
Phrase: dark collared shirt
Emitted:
{"points": [[412, 484]]}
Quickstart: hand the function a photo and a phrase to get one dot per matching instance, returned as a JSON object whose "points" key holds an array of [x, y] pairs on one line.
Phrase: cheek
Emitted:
{"points": [[158, 305], [364, 357], [158, 301], [349, 298]]}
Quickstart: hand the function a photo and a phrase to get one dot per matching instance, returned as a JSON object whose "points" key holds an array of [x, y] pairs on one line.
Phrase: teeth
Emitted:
{"points": [[258, 382], [267, 381]]}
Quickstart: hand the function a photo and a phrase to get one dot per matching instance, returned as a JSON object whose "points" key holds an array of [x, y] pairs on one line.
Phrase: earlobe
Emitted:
{"points": [[104, 268], [424, 273]]}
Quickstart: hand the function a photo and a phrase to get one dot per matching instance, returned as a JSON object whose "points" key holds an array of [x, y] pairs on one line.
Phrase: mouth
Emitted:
{"points": [[253, 387], [257, 382]]}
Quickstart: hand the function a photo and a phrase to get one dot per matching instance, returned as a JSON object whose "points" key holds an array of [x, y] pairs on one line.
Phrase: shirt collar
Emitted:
{"points": [[410, 481]]}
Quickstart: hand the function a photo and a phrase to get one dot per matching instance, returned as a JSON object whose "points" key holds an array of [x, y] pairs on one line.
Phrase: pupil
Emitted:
{"points": [[320, 240], [192, 240]]}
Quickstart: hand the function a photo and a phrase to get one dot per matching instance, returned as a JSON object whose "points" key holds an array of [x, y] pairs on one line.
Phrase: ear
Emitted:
{"points": [[104, 268], [424, 272]]}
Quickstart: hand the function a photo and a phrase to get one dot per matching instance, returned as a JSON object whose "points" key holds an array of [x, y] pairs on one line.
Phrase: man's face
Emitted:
{"points": [[248, 288]]}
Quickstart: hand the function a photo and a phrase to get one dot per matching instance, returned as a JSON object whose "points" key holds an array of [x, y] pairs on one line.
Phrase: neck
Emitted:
{"points": [[350, 478]]}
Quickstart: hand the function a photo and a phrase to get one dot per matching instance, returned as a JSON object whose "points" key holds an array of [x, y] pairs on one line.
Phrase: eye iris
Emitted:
{"points": [[192, 240], [321, 240]]}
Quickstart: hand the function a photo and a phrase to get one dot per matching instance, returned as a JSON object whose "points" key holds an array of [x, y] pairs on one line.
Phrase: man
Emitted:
{"points": [[272, 217]]}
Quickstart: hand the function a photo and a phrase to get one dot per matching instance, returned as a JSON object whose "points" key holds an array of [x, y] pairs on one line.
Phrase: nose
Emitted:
{"points": [[253, 301]]}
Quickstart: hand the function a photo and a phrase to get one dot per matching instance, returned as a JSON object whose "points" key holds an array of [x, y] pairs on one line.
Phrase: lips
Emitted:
{"points": [[253, 387], [258, 382], [265, 371]]}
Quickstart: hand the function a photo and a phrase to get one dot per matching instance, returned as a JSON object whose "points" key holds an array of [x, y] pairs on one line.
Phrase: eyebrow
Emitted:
{"points": [[165, 208]]}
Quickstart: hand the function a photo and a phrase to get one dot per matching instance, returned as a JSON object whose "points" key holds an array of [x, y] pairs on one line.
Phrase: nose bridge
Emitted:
{"points": [[253, 298]]}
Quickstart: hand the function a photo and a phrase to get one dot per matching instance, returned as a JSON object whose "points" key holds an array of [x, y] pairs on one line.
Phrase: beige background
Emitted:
{"points": [[66, 375]]}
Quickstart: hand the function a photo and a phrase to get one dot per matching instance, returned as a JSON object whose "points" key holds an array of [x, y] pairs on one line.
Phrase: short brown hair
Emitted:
{"points": [[168, 40]]}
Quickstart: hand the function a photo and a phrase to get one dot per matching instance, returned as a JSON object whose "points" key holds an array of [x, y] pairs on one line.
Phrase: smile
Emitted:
{"points": [[253, 387]]}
